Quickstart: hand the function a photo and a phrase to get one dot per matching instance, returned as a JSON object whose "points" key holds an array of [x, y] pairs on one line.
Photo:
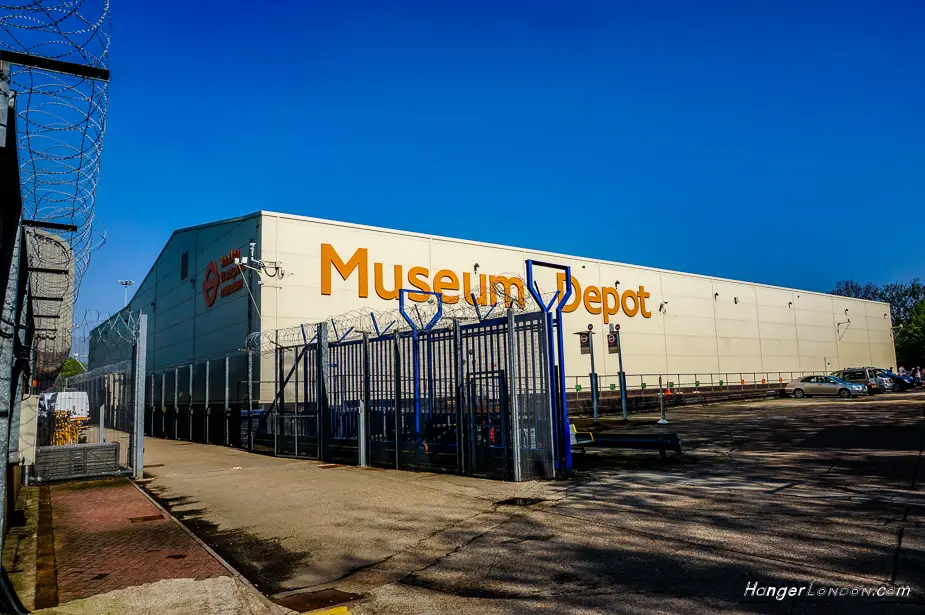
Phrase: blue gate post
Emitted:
{"points": [[557, 373], [415, 327]]}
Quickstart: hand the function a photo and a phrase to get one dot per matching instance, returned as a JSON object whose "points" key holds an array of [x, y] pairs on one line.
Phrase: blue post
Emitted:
{"points": [[416, 356], [565, 452], [414, 341]]}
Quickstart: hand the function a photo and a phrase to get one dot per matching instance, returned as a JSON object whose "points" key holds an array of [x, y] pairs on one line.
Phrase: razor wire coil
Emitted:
{"points": [[61, 123]]}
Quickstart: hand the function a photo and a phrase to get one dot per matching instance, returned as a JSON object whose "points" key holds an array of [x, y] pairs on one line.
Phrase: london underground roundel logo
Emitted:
{"points": [[210, 284]]}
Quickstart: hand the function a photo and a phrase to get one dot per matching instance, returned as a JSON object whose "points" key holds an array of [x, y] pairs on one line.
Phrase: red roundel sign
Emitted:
{"points": [[210, 284]]}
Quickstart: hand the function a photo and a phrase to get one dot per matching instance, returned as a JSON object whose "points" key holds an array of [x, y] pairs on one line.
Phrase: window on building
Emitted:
{"points": [[184, 265]]}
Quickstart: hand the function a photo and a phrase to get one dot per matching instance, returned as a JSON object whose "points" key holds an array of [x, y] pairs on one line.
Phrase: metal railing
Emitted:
{"points": [[648, 384]]}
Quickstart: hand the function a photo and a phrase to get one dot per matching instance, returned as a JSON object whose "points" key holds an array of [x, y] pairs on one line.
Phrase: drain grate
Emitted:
{"points": [[312, 601], [154, 465], [519, 502], [177, 556]]}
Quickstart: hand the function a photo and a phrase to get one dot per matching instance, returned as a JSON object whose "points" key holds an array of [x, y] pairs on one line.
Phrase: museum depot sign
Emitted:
{"points": [[454, 286]]}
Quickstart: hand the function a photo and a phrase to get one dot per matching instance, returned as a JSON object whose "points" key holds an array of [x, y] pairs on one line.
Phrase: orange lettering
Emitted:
{"points": [[643, 295], [451, 283], [593, 300], [359, 261], [611, 302], [414, 278], [507, 285], [482, 299], [626, 309], [576, 292], [380, 287]]}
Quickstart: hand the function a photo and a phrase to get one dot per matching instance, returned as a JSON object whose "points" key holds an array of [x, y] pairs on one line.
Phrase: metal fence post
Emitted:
{"points": [[250, 399], [323, 375], [363, 414], [277, 419], [396, 358], [141, 343], [176, 403], [206, 411], [102, 436], [189, 419], [661, 402], [227, 411], [461, 414], [153, 377], [513, 402], [164, 405]]}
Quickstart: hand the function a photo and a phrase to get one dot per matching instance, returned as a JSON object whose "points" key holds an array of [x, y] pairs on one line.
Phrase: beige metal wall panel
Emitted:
{"points": [[883, 354], [737, 328], [855, 354], [705, 325], [777, 331], [776, 314]]}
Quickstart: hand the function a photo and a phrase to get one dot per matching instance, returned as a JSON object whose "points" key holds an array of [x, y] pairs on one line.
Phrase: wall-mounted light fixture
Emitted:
{"points": [[735, 300], [715, 296], [661, 307], [475, 268], [790, 304], [616, 284]]}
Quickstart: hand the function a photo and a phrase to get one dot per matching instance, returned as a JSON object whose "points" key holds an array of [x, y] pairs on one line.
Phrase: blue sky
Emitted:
{"points": [[778, 142]]}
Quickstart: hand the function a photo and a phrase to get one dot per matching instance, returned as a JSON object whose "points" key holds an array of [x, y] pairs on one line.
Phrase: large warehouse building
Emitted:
{"points": [[201, 305]]}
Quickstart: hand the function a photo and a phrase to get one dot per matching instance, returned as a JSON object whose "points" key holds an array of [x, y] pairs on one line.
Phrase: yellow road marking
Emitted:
{"points": [[337, 610]]}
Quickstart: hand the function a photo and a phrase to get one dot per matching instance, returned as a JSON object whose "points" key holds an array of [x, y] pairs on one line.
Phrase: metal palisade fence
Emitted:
{"points": [[92, 424], [469, 398]]}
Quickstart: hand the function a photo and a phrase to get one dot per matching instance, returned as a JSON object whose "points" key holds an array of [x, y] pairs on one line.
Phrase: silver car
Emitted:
{"points": [[824, 385]]}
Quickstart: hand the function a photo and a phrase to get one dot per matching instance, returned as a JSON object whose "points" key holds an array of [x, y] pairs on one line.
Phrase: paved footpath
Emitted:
{"points": [[109, 536], [115, 551]]}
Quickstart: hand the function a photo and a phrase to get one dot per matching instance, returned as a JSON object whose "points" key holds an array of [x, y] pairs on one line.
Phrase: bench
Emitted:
{"points": [[661, 442]]}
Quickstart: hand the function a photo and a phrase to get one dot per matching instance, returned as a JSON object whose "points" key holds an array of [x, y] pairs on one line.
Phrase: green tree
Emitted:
{"points": [[910, 339], [902, 296], [72, 367], [856, 290]]}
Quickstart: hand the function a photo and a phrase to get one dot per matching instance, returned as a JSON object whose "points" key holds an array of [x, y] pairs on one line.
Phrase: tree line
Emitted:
{"points": [[907, 307]]}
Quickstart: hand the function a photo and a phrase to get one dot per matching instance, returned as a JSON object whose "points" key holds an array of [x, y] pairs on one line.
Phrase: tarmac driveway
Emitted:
{"points": [[778, 493]]}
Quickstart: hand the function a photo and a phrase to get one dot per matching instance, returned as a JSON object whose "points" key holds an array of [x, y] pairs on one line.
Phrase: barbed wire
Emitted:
{"points": [[49, 291], [107, 337], [122, 367], [61, 121], [490, 301]]}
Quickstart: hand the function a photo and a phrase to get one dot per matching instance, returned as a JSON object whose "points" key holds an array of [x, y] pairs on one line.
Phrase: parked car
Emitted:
{"points": [[824, 385], [866, 376], [900, 383]]}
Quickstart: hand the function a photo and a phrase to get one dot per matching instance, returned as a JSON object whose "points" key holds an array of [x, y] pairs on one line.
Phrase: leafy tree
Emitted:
{"points": [[910, 340], [902, 296], [72, 367], [856, 290], [907, 307]]}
